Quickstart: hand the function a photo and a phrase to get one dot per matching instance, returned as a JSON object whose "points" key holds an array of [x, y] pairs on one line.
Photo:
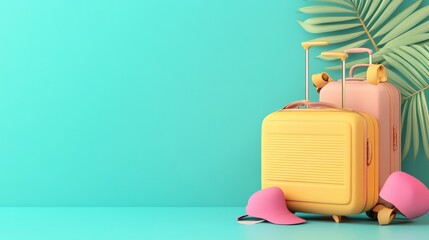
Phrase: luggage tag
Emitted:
{"points": [[320, 80]]}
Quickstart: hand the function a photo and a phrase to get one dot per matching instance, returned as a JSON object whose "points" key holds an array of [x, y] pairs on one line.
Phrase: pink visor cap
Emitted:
{"points": [[269, 205], [409, 195]]}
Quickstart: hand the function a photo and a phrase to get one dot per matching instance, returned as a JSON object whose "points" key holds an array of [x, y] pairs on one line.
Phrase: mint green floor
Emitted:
{"points": [[187, 223]]}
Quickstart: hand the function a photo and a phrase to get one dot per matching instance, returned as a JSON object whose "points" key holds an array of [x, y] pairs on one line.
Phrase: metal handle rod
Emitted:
{"points": [[343, 82], [307, 63], [342, 57], [307, 46]]}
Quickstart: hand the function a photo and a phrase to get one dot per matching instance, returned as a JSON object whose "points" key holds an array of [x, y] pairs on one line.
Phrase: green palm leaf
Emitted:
{"points": [[406, 25], [398, 31], [325, 9], [341, 38], [396, 20], [368, 19]]}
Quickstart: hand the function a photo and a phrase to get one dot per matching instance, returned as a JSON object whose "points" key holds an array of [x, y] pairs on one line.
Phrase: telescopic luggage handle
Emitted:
{"points": [[359, 50], [342, 57], [307, 46], [376, 73]]}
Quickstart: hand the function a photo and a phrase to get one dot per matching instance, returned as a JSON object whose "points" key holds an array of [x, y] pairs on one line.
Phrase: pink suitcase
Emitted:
{"points": [[379, 100]]}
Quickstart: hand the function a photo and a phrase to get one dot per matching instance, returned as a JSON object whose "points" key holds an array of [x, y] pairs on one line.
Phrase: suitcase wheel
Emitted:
{"points": [[337, 218], [373, 213]]}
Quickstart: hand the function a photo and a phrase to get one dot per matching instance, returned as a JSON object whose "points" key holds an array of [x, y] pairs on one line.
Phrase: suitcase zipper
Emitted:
{"points": [[394, 134], [366, 163]]}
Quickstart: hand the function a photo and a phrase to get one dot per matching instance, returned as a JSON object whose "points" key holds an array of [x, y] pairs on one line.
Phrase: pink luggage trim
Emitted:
{"points": [[359, 50]]}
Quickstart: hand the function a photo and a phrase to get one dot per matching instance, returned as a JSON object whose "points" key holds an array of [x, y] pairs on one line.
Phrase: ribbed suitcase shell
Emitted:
{"points": [[324, 160], [381, 101]]}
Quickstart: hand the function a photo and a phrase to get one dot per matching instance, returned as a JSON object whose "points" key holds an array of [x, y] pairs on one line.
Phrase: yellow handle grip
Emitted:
{"points": [[308, 45], [340, 55]]}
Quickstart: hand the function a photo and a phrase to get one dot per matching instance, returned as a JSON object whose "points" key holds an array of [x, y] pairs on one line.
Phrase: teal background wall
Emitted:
{"points": [[143, 103]]}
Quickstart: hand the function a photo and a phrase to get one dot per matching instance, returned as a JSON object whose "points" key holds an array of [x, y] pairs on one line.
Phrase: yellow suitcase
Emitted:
{"points": [[325, 159]]}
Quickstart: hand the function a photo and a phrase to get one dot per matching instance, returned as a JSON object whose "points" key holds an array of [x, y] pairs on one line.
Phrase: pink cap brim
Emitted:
{"points": [[285, 218]]}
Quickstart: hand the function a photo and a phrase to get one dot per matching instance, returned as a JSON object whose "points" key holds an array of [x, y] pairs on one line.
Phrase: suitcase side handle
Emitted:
{"points": [[354, 67], [361, 50], [309, 104]]}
